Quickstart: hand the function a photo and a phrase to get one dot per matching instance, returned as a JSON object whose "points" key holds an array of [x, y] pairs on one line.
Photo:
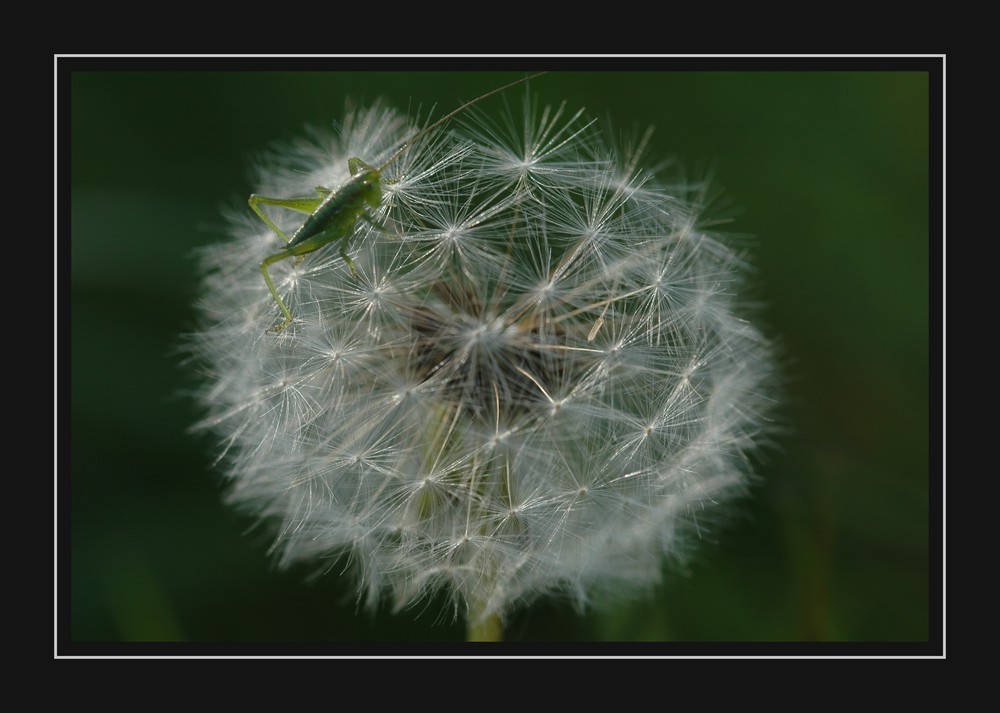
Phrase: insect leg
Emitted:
{"points": [[307, 204], [270, 260], [366, 216], [347, 258]]}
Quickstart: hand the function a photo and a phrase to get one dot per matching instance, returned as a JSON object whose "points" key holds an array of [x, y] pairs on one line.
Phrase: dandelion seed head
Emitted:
{"points": [[539, 380]]}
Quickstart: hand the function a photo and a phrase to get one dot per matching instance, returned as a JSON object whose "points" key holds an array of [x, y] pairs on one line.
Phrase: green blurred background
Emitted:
{"points": [[831, 172]]}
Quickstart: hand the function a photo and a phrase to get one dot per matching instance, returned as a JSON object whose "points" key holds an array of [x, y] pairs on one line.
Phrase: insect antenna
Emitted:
{"points": [[420, 134]]}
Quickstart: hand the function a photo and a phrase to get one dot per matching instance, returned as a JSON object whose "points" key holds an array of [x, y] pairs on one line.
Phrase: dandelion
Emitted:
{"points": [[535, 380]]}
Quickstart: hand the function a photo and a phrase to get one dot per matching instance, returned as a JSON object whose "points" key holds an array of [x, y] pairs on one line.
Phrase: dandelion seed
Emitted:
{"points": [[538, 381]]}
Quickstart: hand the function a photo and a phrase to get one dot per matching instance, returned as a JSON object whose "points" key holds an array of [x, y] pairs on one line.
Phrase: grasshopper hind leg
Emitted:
{"points": [[307, 204], [270, 260]]}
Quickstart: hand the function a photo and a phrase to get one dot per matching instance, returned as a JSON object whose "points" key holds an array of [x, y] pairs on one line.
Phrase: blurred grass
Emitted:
{"points": [[831, 172]]}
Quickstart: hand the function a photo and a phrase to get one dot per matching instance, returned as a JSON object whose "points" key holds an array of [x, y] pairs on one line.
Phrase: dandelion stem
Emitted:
{"points": [[484, 628]]}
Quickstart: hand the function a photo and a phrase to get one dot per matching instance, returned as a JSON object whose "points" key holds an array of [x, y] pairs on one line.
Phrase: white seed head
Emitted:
{"points": [[538, 381]]}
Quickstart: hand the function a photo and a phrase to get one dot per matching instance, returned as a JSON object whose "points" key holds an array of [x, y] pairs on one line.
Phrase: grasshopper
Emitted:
{"points": [[334, 213]]}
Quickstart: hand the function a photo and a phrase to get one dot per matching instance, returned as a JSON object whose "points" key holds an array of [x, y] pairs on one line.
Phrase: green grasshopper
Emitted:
{"points": [[333, 213]]}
